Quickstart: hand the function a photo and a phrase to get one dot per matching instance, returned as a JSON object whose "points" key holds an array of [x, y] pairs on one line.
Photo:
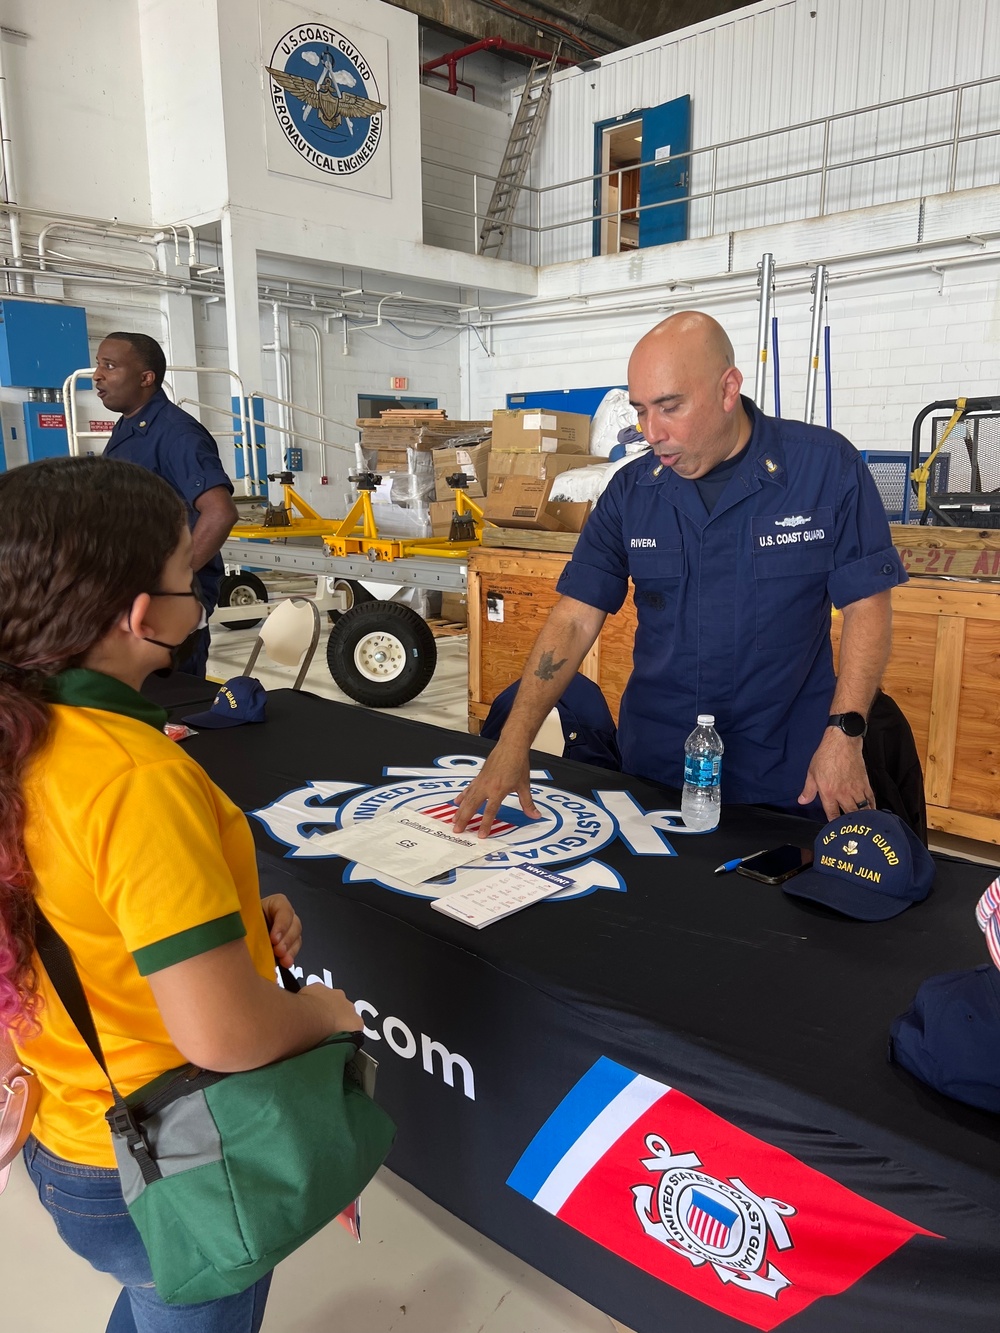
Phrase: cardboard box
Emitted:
{"points": [[441, 512], [473, 460], [572, 514], [503, 462], [454, 608], [531, 431], [520, 502]]}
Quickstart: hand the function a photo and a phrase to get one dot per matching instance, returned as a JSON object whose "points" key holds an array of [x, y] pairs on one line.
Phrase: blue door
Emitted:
{"points": [[664, 185]]}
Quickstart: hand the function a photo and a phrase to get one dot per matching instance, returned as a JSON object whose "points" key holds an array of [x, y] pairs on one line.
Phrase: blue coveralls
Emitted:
{"points": [[168, 441], [733, 608]]}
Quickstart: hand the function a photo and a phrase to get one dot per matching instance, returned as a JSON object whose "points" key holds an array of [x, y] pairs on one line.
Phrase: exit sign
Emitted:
{"points": [[399, 382]]}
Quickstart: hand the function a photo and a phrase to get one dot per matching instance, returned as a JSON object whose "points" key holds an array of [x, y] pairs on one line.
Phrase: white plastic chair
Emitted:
{"points": [[289, 636]]}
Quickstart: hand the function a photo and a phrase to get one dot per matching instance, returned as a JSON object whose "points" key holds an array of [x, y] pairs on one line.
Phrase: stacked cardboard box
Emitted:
{"points": [[523, 502], [472, 459], [534, 432], [538, 445], [543, 467]]}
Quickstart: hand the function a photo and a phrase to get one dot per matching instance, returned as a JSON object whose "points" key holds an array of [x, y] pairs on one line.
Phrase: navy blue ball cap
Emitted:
{"points": [[949, 1038], [242, 699], [868, 865]]}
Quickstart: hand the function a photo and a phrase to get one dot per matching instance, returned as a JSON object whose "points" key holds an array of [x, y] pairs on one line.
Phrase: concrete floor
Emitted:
{"points": [[419, 1270]]}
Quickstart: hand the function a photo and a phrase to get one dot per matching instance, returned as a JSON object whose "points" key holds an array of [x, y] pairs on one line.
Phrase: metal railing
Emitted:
{"points": [[824, 164]]}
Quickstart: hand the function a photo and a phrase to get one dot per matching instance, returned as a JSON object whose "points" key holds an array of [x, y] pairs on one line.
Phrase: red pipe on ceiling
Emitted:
{"points": [[487, 44]]}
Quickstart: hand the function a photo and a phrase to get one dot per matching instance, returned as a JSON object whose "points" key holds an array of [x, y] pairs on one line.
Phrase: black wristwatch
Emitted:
{"points": [[851, 724]]}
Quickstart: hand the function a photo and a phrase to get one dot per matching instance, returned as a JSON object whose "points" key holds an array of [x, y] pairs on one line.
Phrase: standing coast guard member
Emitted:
{"points": [[737, 532], [155, 433]]}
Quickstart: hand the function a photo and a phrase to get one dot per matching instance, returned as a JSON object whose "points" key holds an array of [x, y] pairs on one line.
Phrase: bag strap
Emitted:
{"points": [[58, 963], [61, 970]]}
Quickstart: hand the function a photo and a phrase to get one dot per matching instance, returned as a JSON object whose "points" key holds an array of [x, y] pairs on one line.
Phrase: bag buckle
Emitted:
{"points": [[124, 1124]]}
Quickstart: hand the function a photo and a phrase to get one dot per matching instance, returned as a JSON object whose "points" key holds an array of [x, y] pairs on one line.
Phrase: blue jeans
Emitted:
{"points": [[86, 1204]]}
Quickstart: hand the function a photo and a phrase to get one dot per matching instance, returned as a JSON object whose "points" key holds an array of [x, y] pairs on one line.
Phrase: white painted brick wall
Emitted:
{"points": [[899, 341]]}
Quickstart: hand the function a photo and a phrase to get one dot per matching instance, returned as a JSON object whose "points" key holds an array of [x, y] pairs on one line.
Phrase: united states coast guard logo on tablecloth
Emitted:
{"points": [[709, 1217], [326, 99], [572, 828], [712, 1221]]}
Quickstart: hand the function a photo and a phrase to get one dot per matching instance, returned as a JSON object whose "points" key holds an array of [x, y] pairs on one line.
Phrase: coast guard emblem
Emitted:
{"points": [[324, 95], [711, 1221]]}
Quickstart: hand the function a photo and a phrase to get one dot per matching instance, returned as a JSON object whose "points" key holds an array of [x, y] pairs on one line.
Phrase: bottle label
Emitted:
{"points": [[702, 770]]}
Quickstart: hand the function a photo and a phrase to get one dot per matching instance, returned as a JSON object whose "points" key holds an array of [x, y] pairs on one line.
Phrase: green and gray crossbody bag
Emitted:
{"points": [[226, 1174]]}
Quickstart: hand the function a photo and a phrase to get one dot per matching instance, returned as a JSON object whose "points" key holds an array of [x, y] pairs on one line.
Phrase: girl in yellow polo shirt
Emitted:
{"points": [[141, 864]]}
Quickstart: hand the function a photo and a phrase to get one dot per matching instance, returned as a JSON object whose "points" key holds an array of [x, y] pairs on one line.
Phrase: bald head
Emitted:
{"points": [[685, 386], [691, 338]]}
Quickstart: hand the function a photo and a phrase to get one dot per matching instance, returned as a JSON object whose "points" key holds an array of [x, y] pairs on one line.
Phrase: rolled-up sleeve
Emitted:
{"points": [[598, 572], [194, 463], [865, 560]]}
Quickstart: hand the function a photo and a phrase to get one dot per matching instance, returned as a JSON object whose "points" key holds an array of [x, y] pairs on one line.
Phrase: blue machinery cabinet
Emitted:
{"points": [[40, 345]]}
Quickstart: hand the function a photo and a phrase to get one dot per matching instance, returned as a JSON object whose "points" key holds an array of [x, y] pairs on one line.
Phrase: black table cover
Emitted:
{"points": [[669, 1092]]}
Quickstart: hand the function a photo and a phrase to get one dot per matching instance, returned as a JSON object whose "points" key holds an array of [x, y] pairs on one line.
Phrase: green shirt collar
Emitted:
{"points": [[82, 688]]}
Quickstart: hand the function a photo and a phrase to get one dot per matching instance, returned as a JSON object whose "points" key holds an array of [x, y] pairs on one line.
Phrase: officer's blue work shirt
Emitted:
{"points": [[733, 607], [168, 441]]}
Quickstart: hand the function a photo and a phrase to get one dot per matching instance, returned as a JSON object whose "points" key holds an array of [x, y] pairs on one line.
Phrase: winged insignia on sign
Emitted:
{"points": [[332, 107]]}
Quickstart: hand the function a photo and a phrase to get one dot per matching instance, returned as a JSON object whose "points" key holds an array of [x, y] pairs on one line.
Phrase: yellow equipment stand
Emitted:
{"points": [[357, 533]]}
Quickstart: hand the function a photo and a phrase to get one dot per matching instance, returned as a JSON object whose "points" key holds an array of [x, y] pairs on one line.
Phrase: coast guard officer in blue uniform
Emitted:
{"points": [[737, 532], [160, 436]]}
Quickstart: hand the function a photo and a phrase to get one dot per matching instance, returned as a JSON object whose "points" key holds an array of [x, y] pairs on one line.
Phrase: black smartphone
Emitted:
{"points": [[776, 865]]}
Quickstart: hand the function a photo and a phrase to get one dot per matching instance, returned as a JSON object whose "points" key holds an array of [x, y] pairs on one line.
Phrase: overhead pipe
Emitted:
{"points": [[9, 179], [763, 320], [452, 58]]}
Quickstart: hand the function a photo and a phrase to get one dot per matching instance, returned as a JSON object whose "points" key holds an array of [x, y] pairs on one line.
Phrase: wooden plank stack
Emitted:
{"points": [[396, 431]]}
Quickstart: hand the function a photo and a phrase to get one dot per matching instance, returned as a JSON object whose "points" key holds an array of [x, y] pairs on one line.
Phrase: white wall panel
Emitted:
{"points": [[772, 66], [465, 137]]}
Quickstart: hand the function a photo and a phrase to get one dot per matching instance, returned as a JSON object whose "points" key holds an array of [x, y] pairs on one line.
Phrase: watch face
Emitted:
{"points": [[853, 724]]}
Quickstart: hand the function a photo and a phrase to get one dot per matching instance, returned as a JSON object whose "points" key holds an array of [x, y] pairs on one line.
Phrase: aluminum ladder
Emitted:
{"points": [[523, 134]]}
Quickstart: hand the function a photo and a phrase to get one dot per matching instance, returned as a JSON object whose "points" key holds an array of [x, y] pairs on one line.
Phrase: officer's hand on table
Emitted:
{"points": [[837, 775], [507, 769], [284, 928]]}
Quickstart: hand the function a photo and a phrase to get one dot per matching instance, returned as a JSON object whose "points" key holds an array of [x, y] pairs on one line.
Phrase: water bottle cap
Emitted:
{"points": [[706, 719]]}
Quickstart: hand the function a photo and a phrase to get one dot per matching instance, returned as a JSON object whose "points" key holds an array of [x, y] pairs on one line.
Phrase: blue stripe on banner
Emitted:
{"points": [[579, 1108]]}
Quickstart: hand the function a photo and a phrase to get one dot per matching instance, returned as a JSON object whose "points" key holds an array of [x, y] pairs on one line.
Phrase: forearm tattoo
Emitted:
{"points": [[547, 669]]}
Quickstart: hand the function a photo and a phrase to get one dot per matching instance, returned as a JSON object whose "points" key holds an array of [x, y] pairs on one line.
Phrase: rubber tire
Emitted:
{"points": [[230, 584], [359, 594], [403, 624]]}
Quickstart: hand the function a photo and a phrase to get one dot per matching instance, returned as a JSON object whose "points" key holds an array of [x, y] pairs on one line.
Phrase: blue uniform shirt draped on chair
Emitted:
{"points": [[733, 607]]}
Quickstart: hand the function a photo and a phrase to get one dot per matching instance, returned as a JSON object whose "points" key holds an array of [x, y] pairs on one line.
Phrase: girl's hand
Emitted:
{"points": [[284, 927]]}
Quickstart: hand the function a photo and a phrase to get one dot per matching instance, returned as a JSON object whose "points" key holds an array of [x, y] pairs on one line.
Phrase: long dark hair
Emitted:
{"points": [[80, 539]]}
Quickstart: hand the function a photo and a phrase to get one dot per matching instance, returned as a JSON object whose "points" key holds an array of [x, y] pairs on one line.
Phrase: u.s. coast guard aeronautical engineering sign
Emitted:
{"points": [[571, 831], [325, 97]]}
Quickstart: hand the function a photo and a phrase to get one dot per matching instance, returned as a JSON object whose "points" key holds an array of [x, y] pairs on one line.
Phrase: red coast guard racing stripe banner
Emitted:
{"points": [[676, 1190]]}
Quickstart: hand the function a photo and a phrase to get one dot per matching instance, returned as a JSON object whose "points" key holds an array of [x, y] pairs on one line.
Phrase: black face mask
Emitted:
{"points": [[180, 652]]}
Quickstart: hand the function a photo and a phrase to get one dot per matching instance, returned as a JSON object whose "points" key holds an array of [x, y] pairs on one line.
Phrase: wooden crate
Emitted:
{"points": [[523, 583], [944, 673]]}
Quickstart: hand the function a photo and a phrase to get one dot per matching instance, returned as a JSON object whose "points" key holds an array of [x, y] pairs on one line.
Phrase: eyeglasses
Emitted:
{"points": [[193, 591]]}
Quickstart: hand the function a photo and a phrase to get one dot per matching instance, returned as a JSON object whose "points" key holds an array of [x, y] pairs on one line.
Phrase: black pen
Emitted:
{"points": [[731, 865]]}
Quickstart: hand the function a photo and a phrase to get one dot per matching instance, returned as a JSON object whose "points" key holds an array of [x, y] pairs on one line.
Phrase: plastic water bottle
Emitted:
{"points": [[701, 799]]}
